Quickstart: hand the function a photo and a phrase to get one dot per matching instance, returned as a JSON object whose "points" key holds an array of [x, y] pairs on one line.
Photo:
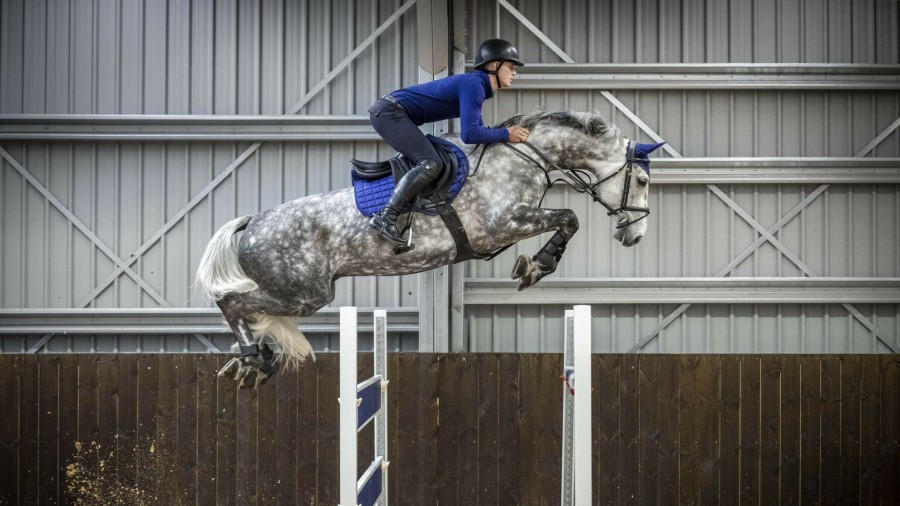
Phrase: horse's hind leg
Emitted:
{"points": [[257, 361]]}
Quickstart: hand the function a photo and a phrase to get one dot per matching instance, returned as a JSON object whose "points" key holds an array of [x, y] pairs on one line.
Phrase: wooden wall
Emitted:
{"points": [[465, 429]]}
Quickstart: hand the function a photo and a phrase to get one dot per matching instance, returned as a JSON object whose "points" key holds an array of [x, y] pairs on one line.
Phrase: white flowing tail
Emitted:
{"points": [[295, 349], [220, 273]]}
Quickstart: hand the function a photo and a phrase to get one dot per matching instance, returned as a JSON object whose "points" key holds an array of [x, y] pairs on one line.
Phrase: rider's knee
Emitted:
{"points": [[430, 168]]}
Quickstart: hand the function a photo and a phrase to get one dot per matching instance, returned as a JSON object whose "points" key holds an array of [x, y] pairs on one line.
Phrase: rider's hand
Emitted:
{"points": [[517, 134]]}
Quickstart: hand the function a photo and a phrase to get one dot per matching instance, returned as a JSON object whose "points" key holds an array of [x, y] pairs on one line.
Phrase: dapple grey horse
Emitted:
{"points": [[285, 263]]}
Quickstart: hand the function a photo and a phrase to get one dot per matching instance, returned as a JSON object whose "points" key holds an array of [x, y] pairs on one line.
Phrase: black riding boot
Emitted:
{"points": [[384, 224]]}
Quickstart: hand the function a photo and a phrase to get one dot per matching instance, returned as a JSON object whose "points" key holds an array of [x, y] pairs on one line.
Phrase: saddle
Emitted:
{"points": [[374, 182]]}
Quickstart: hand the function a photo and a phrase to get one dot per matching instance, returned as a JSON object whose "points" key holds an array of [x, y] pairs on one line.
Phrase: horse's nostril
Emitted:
{"points": [[637, 239]]}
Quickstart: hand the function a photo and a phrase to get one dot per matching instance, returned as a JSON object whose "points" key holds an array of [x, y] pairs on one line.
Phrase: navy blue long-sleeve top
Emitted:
{"points": [[458, 96]]}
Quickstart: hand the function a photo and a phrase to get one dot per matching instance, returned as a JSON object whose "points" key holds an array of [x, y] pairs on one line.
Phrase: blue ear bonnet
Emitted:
{"points": [[641, 151]]}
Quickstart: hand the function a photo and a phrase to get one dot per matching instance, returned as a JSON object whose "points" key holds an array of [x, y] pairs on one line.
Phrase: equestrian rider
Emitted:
{"points": [[397, 116]]}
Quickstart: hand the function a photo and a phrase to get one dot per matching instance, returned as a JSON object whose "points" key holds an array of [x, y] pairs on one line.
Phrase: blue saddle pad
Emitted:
{"points": [[372, 196]]}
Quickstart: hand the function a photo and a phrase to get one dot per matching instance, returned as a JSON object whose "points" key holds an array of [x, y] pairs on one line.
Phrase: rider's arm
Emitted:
{"points": [[472, 129]]}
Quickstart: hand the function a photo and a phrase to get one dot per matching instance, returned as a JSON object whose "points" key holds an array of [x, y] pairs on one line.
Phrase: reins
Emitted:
{"points": [[579, 179]]}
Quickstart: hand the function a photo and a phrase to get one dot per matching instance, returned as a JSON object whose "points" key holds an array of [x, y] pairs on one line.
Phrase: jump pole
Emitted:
{"points": [[367, 402], [576, 458]]}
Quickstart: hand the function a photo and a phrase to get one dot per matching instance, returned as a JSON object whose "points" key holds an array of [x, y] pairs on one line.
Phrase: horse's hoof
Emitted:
{"points": [[229, 370], [251, 377], [527, 271], [249, 372], [521, 268], [254, 379], [529, 280]]}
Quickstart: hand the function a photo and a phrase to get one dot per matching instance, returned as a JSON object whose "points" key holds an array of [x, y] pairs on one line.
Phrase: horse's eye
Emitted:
{"points": [[643, 181]]}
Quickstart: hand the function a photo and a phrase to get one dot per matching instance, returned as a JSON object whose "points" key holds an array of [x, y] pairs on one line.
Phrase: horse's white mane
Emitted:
{"points": [[594, 125]]}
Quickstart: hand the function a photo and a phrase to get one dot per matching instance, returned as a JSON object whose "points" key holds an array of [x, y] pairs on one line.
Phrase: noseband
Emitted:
{"points": [[580, 181]]}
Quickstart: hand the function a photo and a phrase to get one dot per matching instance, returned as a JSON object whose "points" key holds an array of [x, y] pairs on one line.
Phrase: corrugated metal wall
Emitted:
{"points": [[199, 57], [124, 193], [851, 230], [314, 59], [696, 31], [134, 198]]}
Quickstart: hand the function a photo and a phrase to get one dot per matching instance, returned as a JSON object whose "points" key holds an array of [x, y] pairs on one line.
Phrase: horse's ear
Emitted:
{"points": [[597, 125], [642, 150]]}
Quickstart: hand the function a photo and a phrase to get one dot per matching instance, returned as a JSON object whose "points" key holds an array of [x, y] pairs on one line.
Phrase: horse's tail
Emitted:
{"points": [[220, 273], [283, 330]]}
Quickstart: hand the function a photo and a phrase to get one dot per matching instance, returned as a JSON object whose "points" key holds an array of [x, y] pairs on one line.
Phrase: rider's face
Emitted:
{"points": [[506, 72]]}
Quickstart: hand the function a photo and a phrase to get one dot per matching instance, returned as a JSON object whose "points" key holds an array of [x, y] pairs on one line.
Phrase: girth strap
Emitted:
{"points": [[447, 213]]}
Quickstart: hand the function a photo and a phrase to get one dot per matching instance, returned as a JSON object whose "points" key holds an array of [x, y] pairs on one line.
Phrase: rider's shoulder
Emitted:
{"points": [[467, 79], [473, 83]]}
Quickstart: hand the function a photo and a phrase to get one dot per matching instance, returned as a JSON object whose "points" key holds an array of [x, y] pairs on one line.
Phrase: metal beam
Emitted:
{"points": [[568, 59], [200, 196], [731, 265], [580, 76], [537, 32], [797, 261], [687, 290], [36, 347], [138, 253], [171, 321], [180, 128], [84, 229], [358, 50], [878, 138], [876, 71], [809, 170]]}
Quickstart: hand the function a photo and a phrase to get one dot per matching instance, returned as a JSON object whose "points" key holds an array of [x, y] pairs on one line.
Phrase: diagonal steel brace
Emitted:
{"points": [[203, 193], [766, 234], [55, 202]]}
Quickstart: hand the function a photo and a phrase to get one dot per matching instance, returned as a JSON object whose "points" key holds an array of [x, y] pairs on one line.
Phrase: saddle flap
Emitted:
{"points": [[370, 171], [447, 151], [372, 193]]}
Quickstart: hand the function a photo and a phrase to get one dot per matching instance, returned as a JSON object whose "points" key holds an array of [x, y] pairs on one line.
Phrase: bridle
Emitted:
{"points": [[580, 181]]}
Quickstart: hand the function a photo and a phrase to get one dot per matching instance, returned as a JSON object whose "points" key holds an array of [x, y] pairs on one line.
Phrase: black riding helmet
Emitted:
{"points": [[497, 49]]}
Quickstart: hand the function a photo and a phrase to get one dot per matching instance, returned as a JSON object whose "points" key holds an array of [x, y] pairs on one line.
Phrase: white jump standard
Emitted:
{"points": [[576, 458], [370, 398]]}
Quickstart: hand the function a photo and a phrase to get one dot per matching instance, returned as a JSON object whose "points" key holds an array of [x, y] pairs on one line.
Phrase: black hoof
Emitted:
{"points": [[253, 370], [521, 267], [268, 366]]}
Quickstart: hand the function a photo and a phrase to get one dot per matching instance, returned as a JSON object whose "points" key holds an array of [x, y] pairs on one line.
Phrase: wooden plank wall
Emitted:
{"points": [[465, 429]]}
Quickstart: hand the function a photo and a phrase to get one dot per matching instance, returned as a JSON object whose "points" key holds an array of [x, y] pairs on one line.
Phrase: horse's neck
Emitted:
{"points": [[503, 161], [506, 177]]}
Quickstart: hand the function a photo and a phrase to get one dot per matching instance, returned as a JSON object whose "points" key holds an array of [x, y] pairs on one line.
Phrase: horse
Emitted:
{"points": [[285, 263]]}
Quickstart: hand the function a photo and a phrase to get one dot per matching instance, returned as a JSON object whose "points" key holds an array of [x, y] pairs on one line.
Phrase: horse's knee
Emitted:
{"points": [[570, 223]]}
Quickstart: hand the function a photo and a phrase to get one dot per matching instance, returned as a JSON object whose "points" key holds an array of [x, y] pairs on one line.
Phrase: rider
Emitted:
{"points": [[397, 116]]}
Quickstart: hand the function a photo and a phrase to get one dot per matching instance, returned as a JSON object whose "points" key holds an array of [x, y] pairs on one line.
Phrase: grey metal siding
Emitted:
{"points": [[848, 231], [199, 57], [125, 194], [122, 224], [696, 31], [703, 328], [94, 203], [737, 123]]}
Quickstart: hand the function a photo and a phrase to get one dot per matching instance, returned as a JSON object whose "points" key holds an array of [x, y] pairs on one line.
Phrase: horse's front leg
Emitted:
{"points": [[531, 221]]}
